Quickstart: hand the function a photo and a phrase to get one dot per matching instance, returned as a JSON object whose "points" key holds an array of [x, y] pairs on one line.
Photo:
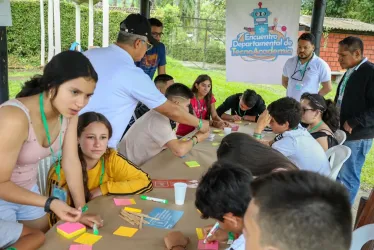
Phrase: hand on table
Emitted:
{"points": [[263, 121], [95, 193], [219, 124], [174, 239], [236, 118], [64, 211], [220, 235], [205, 128], [91, 219], [202, 136], [347, 127]]}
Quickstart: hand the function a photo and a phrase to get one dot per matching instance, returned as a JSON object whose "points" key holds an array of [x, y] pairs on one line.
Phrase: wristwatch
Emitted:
{"points": [[47, 206]]}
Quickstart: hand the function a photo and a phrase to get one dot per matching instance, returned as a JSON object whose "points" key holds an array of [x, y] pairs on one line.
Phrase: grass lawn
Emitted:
{"points": [[221, 90]]}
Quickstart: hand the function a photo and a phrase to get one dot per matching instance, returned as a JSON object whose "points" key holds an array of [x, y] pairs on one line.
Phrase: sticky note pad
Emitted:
{"points": [[134, 210], [88, 239], [80, 247], [124, 202], [200, 234], [125, 231], [208, 246], [192, 164], [215, 143], [70, 230]]}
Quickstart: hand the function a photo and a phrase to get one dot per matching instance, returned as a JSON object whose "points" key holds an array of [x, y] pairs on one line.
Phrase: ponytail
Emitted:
{"points": [[331, 116], [31, 87], [87, 194]]}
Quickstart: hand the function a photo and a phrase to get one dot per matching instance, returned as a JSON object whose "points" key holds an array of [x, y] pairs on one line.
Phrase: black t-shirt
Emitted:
{"points": [[232, 103]]}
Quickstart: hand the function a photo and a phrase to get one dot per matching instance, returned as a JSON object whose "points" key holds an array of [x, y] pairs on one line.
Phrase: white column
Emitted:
{"points": [[78, 25], [105, 23], [51, 44], [90, 23], [42, 34], [56, 12]]}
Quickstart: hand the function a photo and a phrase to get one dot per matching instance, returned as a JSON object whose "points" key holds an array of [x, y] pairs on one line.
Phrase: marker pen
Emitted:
{"points": [[143, 197]]}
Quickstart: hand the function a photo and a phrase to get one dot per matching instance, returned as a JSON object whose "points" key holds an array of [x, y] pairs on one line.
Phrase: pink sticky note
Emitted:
{"points": [[208, 246], [123, 202], [69, 227], [80, 247]]}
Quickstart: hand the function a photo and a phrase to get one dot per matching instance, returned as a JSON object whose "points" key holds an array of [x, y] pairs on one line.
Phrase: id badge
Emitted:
{"points": [[298, 86], [59, 193]]}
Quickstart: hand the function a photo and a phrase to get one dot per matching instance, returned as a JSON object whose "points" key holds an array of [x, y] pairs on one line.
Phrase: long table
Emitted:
{"points": [[163, 166]]}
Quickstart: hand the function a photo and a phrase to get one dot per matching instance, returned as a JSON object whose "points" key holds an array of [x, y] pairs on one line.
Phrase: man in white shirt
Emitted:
{"points": [[122, 85], [304, 72], [293, 141]]}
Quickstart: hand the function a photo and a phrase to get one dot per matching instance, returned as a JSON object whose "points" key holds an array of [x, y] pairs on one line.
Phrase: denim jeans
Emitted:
{"points": [[350, 173]]}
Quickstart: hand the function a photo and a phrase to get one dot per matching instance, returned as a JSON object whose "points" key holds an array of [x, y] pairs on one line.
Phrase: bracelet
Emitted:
{"points": [[11, 248], [200, 124], [84, 208], [231, 238], [257, 136], [47, 206]]}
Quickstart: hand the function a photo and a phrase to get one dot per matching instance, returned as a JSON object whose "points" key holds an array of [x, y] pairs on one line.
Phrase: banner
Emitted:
{"points": [[260, 37], [5, 15]]}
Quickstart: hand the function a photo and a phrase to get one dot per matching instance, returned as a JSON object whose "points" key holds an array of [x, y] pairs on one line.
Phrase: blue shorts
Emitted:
{"points": [[10, 233], [16, 212]]}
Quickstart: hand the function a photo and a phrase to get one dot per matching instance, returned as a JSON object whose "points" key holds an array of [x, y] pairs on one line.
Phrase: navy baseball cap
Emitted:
{"points": [[138, 25]]}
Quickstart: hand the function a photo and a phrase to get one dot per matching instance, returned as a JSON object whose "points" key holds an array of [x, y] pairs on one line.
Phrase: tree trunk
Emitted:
{"points": [[196, 22]]}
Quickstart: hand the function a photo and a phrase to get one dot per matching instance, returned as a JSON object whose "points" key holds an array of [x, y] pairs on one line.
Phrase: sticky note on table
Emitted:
{"points": [[221, 134], [70, 230], [217, 131], [131, 209], [88, 239], [238, 122], [124, 202], [215, 143], [200, 234], [80, 247], [208, 246], [125, 231], [166, 218], [192, 164]]}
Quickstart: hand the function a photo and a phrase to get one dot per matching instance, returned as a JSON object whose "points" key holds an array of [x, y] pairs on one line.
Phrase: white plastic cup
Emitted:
{"points": [[180, 189], [227, 130]]}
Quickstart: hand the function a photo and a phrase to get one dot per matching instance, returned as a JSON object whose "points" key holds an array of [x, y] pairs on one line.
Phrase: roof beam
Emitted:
{"points": [[318, 16]]}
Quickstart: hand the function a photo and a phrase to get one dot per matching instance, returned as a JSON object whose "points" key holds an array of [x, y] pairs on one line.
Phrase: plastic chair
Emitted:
{"points": [[337, 156], [340, 136], [43, 169], [361, 236]]}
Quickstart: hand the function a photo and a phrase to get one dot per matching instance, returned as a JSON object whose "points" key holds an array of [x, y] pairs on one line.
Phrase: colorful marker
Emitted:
{"points": [[95, 230], [212, 231], [143, 197]]}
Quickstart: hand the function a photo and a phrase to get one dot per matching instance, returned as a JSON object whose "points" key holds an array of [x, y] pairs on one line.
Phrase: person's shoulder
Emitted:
{"points": [[318, 60], [14, 117], [291, 60]]}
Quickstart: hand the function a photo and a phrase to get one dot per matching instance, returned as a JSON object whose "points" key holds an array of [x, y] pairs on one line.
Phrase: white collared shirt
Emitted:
{"points": [[120, 87], [238, 244], [317, 71]]}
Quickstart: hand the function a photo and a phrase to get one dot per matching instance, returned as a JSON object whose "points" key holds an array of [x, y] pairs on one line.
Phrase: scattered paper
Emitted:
{"points": [[125, 231], [200, 234], [131, 209], [80, 247], [69, 227], [88, 239], [215, 143], [192, 164], [167, 218], [221, 135], [124, 202]]}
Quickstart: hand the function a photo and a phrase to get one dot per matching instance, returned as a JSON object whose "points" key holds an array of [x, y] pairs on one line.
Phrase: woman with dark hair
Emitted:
{"points": [[105, 171], [203, 105], [40, 122], [322, 118], [250, 153]]}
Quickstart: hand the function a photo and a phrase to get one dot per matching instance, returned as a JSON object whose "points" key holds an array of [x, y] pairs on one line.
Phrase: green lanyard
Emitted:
{"points": [[316, 127], [302, 71], [102, 171], [344, 83], [45, 125], [240, 113]]}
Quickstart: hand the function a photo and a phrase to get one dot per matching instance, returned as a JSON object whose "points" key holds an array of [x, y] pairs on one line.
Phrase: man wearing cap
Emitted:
{"points": [[122, 85]]}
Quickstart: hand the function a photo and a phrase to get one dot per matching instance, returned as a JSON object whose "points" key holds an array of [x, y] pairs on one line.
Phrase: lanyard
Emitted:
{"points": [[315, 127], [45, 125], [102, 171], [239, 110], [199, 108], [303, 70], [344, 83]]}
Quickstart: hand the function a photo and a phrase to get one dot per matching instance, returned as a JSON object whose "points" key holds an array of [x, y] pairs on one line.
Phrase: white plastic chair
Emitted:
{"points": [[337, 155], [340, 136], [43, 169], [361, 236]]}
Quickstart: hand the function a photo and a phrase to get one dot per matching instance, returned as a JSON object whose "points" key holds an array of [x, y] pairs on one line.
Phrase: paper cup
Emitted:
{"points": [[180, 189], [227, 131]]}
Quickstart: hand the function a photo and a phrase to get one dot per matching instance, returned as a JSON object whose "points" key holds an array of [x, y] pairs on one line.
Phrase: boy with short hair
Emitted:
{"points": [[152, 132], [223, 194], [293, 141]]}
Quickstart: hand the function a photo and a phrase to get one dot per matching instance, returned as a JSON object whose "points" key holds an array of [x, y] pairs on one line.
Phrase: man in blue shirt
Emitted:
{"points": [[155, 58]]}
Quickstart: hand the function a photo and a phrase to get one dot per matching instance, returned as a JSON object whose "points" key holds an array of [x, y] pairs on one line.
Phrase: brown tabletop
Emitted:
{"points": [[163, 166]]}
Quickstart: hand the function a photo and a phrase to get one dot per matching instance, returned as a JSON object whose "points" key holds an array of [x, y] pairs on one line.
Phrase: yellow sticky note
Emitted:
{"points": [[134, 210], [221, 134], [88, 239], [125, 231], [238, 122], [217, 131], [199, 232], [192, 164], [215, 143]]}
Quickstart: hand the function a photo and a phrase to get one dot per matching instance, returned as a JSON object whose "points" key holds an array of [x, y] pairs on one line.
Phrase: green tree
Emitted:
{"points": [[334, 8], [362, 10]]}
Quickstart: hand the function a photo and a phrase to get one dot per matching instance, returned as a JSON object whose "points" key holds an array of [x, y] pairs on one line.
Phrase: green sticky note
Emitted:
{"points": [[221, 134], [192, 164], [215, 143]]}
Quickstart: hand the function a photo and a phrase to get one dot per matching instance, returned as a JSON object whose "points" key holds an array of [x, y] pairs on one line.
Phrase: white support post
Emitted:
{"points": [[90, 23], [51, 44], [78, 25], [105, 23], [56, 8], [42, 34]]}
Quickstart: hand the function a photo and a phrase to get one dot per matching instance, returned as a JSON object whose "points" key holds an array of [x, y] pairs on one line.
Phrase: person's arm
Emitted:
{"points": [[326, 88], [127, 178], [13, 133], [285, 81], [30, 239], [181, 148], [285, 74], [323, 142], [226, 105], [214, 114], [71, 164], [250, 118], [161, 70]]}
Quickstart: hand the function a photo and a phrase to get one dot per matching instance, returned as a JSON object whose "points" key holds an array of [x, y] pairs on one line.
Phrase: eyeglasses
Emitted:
{"points": [[305, 109], [157, 34], [314, 101], [149, 46]]}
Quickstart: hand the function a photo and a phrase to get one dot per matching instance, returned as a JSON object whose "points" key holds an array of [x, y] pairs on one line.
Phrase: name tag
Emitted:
{"points": [[298, 86], [59, 193]]}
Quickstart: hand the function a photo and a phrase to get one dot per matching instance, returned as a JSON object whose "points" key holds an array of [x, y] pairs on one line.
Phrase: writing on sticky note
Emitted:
{"points": [[200, 234], [70, 230], [88, 239], [208, 246], [134, 210], [80, 247], [215, 143], [192, 164], [124, 202], [125, 231]]}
